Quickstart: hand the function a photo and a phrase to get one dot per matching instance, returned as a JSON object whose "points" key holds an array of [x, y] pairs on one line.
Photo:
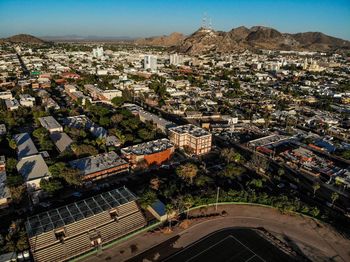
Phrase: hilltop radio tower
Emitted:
{"points": [[206, 22]]}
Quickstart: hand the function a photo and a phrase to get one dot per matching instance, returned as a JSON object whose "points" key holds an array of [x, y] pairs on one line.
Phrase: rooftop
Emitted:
{"points": [[147, 148], [61, 140], [33, 167], [92, 164], [77, 211], [49, 122], [25, 145], [190, 129]]}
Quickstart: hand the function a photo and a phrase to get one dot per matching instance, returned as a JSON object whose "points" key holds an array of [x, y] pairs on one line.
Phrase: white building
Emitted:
{"points": [[97, 52], [11, 104], [176, 59], [6, 95], [26, 100], [150, 62]]}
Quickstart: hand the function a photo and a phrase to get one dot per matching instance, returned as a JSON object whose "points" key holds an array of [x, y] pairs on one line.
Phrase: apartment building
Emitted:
{"points": [[195, 139], [50, 123], [65, 232], [153, 152], [26, 100], [100, 166]]}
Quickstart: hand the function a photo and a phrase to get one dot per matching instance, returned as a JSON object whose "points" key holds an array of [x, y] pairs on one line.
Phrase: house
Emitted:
{"points": [[50, 123], [33, 169], [61, 140], [6, 95], [26, 100], [100, 166], [11, 104], [5, 195], [25, 145], [68, 231], [2, 129], [152, 152]]}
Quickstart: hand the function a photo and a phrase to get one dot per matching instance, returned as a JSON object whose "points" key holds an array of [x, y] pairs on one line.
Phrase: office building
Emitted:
{"points": [[192, 138], [50, 124], [153, 152], [150, 62], [100, 166]]}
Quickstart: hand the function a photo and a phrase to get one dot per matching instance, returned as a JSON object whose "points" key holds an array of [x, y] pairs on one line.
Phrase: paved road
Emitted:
{"points": [[317, 241]]}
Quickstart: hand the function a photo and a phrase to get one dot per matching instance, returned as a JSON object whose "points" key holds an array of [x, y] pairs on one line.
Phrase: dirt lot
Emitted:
{"points": [[317, 241]]}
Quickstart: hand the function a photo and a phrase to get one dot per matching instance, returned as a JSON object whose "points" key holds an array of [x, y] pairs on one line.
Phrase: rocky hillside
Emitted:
{"points": [[170, 40], [23, 38], [206, 40]]}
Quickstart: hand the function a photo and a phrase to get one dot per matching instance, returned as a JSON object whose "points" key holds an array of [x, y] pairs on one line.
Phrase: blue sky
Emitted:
{"points": [[136, 18]]}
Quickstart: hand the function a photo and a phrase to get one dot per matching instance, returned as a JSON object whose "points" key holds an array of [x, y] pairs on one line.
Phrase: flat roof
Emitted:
{"points": [[74, 212], [25, 145], [147, 148], [190, 129], [92, 164], [49, 122], [82, 121]]}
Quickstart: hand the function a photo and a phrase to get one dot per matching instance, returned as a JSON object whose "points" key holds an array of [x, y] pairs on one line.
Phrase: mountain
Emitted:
{"points": [[206, 40], [170, 40], [23, 38]]}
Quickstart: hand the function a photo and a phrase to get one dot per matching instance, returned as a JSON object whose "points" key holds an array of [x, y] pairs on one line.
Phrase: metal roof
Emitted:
{"points": [[74, 212]]}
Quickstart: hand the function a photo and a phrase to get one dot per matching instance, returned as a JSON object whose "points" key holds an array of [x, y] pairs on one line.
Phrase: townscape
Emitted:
{"points": [[99, 140]]}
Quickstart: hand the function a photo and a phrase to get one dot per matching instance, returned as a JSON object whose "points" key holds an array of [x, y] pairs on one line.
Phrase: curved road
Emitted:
{"points": [[316, 240]]}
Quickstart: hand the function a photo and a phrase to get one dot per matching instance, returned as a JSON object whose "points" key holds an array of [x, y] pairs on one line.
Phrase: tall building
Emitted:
{"points": [[97, 52], [176, 59], [195, 139], [150, 62]]}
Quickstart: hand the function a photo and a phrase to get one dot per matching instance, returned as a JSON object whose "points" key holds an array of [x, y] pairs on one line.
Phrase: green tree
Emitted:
{"points": [[118, 101], [231, 171], [147, 198], [334, 197], [169, 209], [187, 172], [315, 187], [50, 185]]}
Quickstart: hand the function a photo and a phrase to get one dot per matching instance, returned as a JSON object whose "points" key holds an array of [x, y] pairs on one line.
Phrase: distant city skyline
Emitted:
{"points": [[152, 18]]}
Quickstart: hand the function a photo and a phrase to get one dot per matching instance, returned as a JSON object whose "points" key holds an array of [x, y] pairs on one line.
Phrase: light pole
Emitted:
{"points": [[217, 199]]}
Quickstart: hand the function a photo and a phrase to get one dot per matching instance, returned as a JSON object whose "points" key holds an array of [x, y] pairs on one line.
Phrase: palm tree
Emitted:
{"points": [[316, 187], [101, 141], [334, 197], [169, 209], [188, 202], [120, 136]]}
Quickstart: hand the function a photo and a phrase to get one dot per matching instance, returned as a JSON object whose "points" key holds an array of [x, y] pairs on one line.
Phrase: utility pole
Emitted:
{"points": [[217, 199]]}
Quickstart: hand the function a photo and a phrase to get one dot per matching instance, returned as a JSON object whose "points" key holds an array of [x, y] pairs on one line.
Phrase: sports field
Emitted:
{"points": [[230, 245]]}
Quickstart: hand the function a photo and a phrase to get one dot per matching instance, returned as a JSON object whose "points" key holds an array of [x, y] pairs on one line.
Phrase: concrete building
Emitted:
{"points": [[82, 121], [25, 145], [65, 232], [12, 104], [153, 152], [100, 166], [3, 130], [50, 124], [97, 52], [26, 100], [5, 195], [145, 116], [61, 140], [104, 95], [150, 62], [190, 137], [6, 95], [33, 169], [176, 59]]}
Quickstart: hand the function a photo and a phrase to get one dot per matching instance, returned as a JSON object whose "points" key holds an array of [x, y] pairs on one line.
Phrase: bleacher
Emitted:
{"points": [[61, 234]]}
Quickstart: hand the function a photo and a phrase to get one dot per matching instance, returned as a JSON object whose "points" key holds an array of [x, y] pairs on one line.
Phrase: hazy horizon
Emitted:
{"points": [[145, 19]]}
